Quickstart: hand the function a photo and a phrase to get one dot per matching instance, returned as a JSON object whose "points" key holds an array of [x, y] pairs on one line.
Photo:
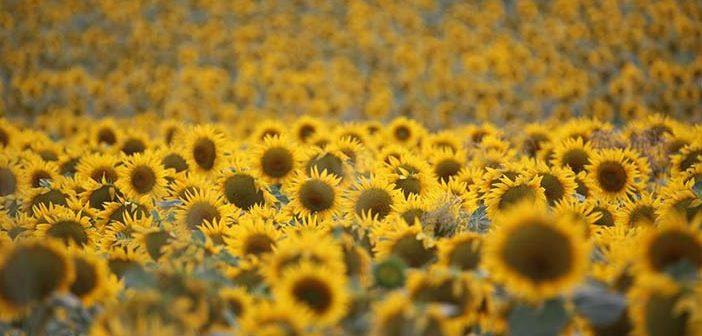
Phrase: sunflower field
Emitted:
{"points": [[351, 167]]}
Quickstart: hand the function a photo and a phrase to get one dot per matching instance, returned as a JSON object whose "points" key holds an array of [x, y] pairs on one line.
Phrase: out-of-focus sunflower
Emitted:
{"points": [[121, 261], [57, 194], [536, 255], [116, 211], [558, 183], [237, 301], [205, 149], [172, 158], [654, 308], [611, 176], [142, 178], [30, 272], [688, 156], [678, 197], [674, 240], [134, 142], [462, 251], [276, 159], [243, 187], [331, 160], [318, 290], [268, 128], [393, 316], [312, 246], [410, 175], [405, 131], [267, 318], [120, 234], [9, 177], [153, 239], [305, 127], [36, 172], [92, 282], [252, 237], [446, 164], [408, 242], [105, 134], [642, 211]]}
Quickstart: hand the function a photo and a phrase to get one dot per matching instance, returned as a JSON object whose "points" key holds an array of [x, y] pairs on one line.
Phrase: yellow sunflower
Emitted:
{"points": [[36, 172], [31, 271], [408, 242], [331, 160], [534, 254], [9, 177], [446, 164], [393, 315], [508, 193], [655, 308], [558, 183], [315, 194], [134, 142], [64, 224], [98, 167], [205, 150], [371, 199], [673, 241], [252, 237], [276, 159], [142, 178], [641, 211], [92, 282], [267, 318], [315, 289], [305, 127], [106, 133], [313, 246], [243, 188], [411, 176], [200, 207], [611, 176], [572, 153], [404, 131], [462, 251]]}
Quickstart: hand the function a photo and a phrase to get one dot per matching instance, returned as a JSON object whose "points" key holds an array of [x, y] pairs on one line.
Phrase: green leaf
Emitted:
{"points": [[548, 319], [138, 278], [198, 236], [599, 305], [697, 188], [478, 221]]}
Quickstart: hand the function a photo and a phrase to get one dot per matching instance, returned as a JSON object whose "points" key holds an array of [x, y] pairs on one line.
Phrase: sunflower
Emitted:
{"points": [[558, 183], [393, 316], [120, 234], [688, 157], [121, 261], [172, 131], [673, 241], [96, 196], [411, 176], [641, 211], [142, 178], [371, 199], [252, 236], [582, 214], [36, 172], [357, 155], [440, 286], [267, 318], [173, 158], [200, 207], [98, 167], [509, 192], [7, 134], [57, 194], [307, 246], [572, 153], [30, 272], [17, 228], [315, 289], [105, 133], [462, 251], [238, 301], [608, 213], [243, 188], [9, 177], [64, 224], [305, 127], [182, 185], [268, 128], [357, 260], [276, 159], [134, 142], [444, 140], [534, 254], [611, 176], [408, 242], [412, 209], [92, 282], [116, 212], [333, 161], [536, 136], [316, 194], [204, 150], [446, 164], [405, 131], [655, 308], [678, 197], [153, 239]]}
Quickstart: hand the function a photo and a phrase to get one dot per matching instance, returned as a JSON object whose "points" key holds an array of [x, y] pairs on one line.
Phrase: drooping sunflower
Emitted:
{"points": [[371, 199], [318, 290], [611, 176], [508, 193], [462, 251], [64, 224], [534, 254], [200, 207], [408, 242], [573, 153], [98, 167], [30, 272], [674, 240], [276, 159], [205, 150], [142, 178], [252, 237], [315, 194]]}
